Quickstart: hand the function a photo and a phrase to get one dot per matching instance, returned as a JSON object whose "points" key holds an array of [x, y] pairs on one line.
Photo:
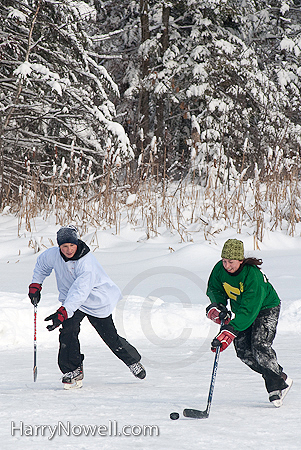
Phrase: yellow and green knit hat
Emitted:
{"points": [[233, 249]]}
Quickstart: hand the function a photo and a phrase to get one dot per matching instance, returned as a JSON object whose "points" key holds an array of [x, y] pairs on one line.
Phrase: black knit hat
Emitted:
{"points": [[67, 234]]}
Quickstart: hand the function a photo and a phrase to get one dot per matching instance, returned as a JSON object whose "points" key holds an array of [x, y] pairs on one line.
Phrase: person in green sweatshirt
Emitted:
{"points": [[256, 307]]}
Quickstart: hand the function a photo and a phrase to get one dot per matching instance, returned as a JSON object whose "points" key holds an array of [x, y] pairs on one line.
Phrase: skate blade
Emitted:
{"points": [[289, 382], [277, 403], [76, 385]]}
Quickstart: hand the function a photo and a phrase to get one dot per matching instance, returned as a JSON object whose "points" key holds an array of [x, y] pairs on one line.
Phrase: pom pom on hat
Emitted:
{"points": [[233, 249], [67, 235]]}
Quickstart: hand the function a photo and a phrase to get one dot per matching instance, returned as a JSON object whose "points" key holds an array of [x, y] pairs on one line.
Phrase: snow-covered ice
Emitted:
{"points": [[163, 315]]}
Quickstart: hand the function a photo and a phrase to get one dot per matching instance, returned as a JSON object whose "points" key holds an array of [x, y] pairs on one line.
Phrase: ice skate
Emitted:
{"points": [[276, 397], [73, 380], [138, 370]]}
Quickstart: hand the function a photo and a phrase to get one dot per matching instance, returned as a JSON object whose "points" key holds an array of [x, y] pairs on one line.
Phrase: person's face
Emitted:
{"points": [[68, 249], [231, 265]]}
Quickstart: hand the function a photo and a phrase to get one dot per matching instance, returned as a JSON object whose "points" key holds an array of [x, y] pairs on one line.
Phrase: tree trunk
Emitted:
{"points": [[144, 94], [160, 129]]}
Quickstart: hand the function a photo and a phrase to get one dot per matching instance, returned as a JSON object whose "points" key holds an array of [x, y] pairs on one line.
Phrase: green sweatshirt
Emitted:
{"points": [[249, 292]]}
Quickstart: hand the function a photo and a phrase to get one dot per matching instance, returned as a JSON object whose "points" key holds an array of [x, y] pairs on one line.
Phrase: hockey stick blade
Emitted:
{"points": [[35, 373], [195, 413]]}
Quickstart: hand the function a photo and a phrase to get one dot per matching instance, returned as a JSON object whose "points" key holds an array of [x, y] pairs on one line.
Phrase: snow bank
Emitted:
{"points": [[163, 324]]}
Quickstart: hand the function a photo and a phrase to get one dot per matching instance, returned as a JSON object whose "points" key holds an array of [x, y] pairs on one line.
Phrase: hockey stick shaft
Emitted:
{"points": [[195, 413], [213, 377], [35, 368]]}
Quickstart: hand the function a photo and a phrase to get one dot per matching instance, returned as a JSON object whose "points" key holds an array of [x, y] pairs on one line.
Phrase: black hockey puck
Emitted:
{"points": [[174, 415]]}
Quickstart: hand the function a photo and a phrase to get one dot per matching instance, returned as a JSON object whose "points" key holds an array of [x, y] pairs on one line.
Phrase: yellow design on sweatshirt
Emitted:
{"points": [[233, 292]]}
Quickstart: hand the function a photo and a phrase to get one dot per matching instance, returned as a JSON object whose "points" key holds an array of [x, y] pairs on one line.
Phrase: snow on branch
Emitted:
{"points": [[103, 72], [16, 14], [83, 11], [27, 69]]}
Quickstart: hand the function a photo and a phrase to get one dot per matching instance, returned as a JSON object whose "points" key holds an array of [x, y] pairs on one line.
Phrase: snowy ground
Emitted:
{"points": [[163, 315]]}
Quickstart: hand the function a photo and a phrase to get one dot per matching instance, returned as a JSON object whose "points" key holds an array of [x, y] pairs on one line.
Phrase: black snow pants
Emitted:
{"points": [[254, 347], [70, 356]]}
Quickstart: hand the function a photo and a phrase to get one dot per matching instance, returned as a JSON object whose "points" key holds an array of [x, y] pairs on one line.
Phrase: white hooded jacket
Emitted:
{"points": [[82, 283]]}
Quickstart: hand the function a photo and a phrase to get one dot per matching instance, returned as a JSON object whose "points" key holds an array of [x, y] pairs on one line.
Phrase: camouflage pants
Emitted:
{"points": [[254, 347]]}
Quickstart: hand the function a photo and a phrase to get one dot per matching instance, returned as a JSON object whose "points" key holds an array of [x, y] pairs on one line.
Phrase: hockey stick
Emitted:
{"points": [[196, 413], [35, 368]]}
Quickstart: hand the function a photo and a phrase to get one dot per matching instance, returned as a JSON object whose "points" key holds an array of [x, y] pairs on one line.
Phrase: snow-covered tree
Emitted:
{"points": [[211, 70], [221, 62], [182, 84], [56, 97]]}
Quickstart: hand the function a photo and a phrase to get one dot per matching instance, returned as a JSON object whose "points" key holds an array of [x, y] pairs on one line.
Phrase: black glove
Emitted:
{"points": [[34, 293], [57, 318], [217, 312]]}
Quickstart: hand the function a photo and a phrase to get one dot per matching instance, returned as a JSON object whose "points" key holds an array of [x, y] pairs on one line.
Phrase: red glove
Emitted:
{"points": [[216, 312], [226, 335], [34, 293], [57, 318]]}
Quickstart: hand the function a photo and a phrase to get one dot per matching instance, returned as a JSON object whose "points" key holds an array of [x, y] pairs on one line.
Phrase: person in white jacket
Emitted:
{"points": [[85, 290]]}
